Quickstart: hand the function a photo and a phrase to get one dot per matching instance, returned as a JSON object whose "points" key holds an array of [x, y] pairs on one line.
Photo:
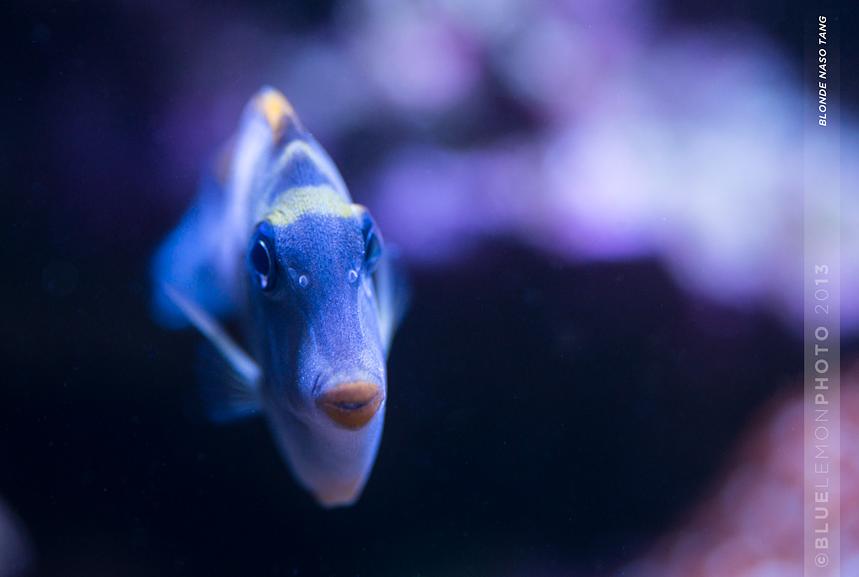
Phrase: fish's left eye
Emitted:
{"points": [[372, 251], [261, 260], [372, 243]]}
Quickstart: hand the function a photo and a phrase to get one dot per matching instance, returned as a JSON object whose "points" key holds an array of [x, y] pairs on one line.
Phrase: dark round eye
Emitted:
{"points": [[373, 245], [372, 251], [262, 261]]}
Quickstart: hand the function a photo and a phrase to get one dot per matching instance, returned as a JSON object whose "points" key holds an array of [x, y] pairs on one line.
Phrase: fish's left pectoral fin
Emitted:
{"points": [[392, 293], [229, 375]]}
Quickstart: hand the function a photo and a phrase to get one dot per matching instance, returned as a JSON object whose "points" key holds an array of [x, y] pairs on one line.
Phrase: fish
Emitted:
{"points": [[274, 247]]}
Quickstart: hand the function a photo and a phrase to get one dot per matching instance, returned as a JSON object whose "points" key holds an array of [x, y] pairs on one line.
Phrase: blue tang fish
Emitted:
{"points": [[274, 243]]}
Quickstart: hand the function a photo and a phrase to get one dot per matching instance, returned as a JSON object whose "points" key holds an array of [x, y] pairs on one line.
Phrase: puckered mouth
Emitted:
{"points": [[351, 405]]}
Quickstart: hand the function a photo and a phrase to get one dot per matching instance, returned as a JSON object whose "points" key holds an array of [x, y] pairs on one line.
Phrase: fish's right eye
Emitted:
{"points": [[261, 260]]}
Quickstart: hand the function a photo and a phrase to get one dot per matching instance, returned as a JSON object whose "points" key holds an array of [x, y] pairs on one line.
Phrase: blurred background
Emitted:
{"points": [[600, 207]]}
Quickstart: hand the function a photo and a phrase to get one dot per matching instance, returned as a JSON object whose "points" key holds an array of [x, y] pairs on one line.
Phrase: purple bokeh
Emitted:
{"points": [[631, 138]]}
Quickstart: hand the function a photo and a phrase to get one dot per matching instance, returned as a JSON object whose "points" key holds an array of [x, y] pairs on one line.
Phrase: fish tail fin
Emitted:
{"points": [[392, 292]]}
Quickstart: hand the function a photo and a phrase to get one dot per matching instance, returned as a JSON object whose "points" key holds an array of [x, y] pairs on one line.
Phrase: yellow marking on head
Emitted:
{"points": [[296, 202], [277, 111]]}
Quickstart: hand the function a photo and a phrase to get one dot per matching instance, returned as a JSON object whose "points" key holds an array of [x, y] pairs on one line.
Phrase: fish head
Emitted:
{"points": [[315, 321]]}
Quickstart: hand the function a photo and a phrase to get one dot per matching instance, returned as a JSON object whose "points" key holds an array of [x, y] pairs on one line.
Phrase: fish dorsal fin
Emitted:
{"points": [[278, 113], [293, 145]]}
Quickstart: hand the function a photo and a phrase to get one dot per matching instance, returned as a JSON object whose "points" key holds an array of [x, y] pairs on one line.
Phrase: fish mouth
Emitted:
{"points": [[351, 405]]}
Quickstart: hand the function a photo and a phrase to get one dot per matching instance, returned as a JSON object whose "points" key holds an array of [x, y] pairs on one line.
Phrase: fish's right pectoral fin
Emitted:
{"points": [[229, 377], [227, 396]]}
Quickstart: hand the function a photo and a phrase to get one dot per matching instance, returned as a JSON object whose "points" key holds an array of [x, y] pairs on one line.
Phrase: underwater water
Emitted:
{"points": [[588, 354]]}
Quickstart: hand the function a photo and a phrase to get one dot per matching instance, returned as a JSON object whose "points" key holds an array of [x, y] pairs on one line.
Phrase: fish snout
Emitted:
{"points": [[351, 405]]}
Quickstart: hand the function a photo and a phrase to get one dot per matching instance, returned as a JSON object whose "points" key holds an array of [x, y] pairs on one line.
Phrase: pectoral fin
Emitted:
{"points": [[230, 377], [392, 294]]}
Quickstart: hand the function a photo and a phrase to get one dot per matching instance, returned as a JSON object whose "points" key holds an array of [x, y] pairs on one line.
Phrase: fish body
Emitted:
{"points": [[275, 240]]}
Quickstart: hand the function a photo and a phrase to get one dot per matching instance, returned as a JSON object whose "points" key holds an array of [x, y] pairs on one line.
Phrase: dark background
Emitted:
{"points": [[541, 415]]}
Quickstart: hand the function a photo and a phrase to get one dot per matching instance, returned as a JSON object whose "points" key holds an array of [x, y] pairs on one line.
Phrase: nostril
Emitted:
{"points": [[351, 405]]}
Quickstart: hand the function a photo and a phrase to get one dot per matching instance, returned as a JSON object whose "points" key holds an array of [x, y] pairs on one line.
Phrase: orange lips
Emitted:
{"points": [[351, 405]]}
